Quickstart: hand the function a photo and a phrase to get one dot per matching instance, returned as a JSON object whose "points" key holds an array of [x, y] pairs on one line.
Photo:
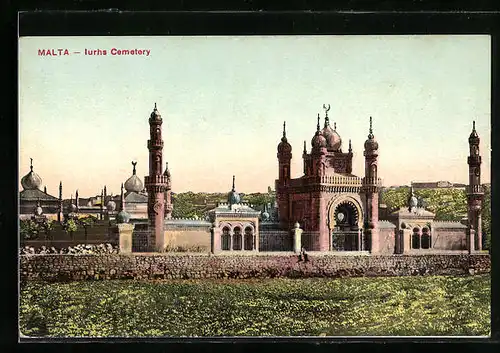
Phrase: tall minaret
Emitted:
{"points": [[60, 213], [475, 192], [284, 158], [370, 189], [168, 196], [156, 183]]}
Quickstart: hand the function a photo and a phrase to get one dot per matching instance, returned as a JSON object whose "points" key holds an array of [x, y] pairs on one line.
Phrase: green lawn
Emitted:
{"points": [[280, 307]]}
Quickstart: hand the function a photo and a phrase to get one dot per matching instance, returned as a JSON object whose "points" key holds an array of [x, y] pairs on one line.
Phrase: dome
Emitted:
{"points": [[413, 201], [284, 146], [233, 197], [474, 137], [38, 209], [333, 140], [71, 207], [265, 216], [134, 183], [318, 140], [111, 206], [155, 115], [122, 217], [371, 144], [31, 181]]}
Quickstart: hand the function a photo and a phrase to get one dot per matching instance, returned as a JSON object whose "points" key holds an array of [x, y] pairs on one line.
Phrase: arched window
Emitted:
{"points": [[415, 239], [226, 239], [237, 239], [248, 238], [426, 238]]}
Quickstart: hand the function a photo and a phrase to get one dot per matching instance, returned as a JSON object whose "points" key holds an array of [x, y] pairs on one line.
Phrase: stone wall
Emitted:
{"points": [[188, 239], [183, 266], [387, 240], [275, 240], [448, 239]]}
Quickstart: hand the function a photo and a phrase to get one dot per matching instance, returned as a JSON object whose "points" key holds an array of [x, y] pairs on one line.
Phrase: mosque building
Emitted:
{"points": [[335, 209]]}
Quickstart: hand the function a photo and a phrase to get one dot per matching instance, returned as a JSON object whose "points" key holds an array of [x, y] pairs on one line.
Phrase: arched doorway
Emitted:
{"points": [[226, 239], [248, 244], [346, 235]]}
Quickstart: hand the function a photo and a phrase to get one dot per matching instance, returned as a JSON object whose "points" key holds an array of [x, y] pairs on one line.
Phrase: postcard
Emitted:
{"points": [[254, 186]]}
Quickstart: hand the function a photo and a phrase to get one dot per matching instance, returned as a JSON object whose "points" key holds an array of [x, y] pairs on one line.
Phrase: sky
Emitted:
{"points": [[84, 118]]}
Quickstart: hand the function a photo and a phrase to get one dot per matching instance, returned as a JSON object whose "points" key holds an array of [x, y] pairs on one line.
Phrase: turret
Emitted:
{"points": [[475, 192], [370, 190]]}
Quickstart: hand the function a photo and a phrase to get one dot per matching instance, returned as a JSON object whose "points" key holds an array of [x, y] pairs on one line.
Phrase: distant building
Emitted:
{"points": [[437, 185]]}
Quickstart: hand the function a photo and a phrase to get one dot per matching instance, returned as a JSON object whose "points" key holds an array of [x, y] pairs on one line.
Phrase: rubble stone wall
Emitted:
{"points": [[69, 267]]}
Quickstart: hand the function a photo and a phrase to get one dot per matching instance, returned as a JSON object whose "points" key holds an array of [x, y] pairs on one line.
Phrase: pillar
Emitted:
{"points": [[125, 231], [297, 238]]}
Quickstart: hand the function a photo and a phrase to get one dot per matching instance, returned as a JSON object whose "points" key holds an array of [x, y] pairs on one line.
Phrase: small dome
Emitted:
{"points": [[155, 115], [38, 210], [284, 146], [233, 197], [31, 181], [474, 137], [297, 225], [122, 217], [371, 144], [111, 206], [71, 207], [265, 216], [318, 140], [413, 201]]}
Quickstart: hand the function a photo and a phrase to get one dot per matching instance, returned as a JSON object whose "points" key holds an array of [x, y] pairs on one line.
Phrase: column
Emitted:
{"points": [[125, 231], [297, 238], [231, 242]]}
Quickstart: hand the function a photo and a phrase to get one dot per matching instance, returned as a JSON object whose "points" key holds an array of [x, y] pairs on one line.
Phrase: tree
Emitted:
{"points": [[28, 229], [47, 226], [87, 221], [70, 227]]}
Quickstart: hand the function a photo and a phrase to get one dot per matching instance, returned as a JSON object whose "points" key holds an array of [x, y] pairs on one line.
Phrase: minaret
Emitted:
{"points": [[318, 152], [60, 213], [77, 201], [168, 195], [349, 159], [370, 189], [102, 204], [284, 158], [156, 183], [475, 192]]}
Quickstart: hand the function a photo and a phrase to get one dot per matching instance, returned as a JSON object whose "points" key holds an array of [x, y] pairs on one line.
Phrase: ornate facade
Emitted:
{"points": [[328, 198]]}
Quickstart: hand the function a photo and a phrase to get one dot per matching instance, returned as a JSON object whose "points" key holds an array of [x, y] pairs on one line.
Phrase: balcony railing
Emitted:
{"points": [[155, 179], [474, 189]]}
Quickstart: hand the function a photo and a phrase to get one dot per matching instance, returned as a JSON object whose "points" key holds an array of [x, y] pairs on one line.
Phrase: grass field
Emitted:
{"points": [[437, 305]]}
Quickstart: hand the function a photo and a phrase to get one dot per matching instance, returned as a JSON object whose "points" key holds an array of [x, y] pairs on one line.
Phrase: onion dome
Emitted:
{"points": [[71, 207], [31, 181], [134, 183], [233, 197], [371, 143], [122, 216], [333, 140], [474, 137], [38, 209], [265, 215], [284, 146], [318, 140], [155, 115], [111, 205], [167, 171]]}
